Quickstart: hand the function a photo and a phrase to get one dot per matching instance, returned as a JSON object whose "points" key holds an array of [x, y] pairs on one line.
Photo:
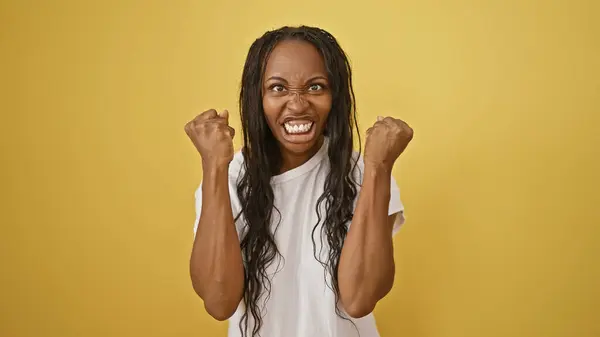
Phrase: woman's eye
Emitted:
{"points": [[315, 87], [277, 88]]}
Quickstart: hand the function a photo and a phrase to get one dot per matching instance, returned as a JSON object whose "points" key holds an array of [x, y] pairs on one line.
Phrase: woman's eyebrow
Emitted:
{"points": [[278, 78], [318, 77]]}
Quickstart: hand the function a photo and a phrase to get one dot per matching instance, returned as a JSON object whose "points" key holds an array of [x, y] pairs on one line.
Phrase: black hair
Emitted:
{"points": [[262, 160]]}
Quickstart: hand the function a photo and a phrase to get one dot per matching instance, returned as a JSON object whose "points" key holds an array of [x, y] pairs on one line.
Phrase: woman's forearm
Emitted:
{"points": [[216, 266], [366, 269]]}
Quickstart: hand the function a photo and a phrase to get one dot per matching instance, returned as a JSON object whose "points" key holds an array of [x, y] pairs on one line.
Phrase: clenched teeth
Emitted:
{"points": [[297, 128]]}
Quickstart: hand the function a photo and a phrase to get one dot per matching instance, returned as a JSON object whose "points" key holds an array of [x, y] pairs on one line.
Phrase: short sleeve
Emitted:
{"points": [[236, 206], [395, 205]]}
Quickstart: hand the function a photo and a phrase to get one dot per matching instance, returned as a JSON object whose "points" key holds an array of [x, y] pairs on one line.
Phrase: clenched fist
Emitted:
{"points": [[213, 137], [386, 140]]}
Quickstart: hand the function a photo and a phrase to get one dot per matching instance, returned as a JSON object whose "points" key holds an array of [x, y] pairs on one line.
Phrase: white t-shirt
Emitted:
{"points": [[301, 303]]}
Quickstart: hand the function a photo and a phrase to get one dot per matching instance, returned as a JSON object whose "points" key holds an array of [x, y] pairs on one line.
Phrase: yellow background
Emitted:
{"points": [[501, 182]]}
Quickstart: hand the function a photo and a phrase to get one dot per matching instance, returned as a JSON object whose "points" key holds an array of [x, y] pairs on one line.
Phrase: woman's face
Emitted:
{"points": [[296, 96]]}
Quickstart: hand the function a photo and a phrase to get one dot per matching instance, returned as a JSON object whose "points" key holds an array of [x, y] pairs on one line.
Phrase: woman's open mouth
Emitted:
{"points": [[297, 127], [299, 131]]}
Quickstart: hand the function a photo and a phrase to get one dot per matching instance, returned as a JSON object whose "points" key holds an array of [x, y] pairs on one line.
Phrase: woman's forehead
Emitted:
{"points": [[294, 58]]}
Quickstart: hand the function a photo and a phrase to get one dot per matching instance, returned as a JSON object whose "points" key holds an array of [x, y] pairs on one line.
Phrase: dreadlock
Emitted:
{"points": [[262, 160]]}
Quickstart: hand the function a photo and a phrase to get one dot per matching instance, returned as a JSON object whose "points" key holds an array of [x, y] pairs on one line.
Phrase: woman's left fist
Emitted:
{"points": [[386, 140]]}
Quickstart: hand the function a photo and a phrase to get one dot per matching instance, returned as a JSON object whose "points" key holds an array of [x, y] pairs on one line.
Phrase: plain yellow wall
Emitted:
{"points": [[501, 182]]}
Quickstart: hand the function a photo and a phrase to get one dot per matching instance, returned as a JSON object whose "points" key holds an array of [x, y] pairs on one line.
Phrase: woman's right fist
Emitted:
{"points": [[212, 136]]}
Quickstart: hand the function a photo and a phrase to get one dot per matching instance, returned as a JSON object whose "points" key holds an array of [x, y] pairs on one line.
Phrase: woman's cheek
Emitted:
{"points": [[323, 107], [272, 109]]}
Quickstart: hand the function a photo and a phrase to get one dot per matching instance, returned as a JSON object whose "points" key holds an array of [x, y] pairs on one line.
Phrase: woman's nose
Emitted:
{"points": [[297, 101]]}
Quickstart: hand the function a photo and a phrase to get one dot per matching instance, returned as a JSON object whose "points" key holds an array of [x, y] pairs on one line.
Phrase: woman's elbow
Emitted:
{"points": [[357, 305], [220, 308], [361, 303], [220, 311], [358, 310]]}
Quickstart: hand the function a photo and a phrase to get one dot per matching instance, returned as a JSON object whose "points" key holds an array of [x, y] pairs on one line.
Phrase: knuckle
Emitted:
{"points": [[220, 129], [221, 135], [206, 114], [203, 129]]}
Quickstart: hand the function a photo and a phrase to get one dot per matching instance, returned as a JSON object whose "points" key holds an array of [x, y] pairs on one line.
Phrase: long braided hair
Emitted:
{"points": [[262, 160]]}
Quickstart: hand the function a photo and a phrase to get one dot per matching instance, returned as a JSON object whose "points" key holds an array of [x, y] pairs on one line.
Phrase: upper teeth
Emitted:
{"points": [[298, 128]]}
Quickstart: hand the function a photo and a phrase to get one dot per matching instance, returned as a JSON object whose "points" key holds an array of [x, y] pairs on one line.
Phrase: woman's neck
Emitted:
{"points": [[290, 160]]}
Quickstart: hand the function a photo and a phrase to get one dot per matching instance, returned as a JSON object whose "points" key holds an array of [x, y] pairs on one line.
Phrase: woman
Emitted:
{"points": [[294, 232]]}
